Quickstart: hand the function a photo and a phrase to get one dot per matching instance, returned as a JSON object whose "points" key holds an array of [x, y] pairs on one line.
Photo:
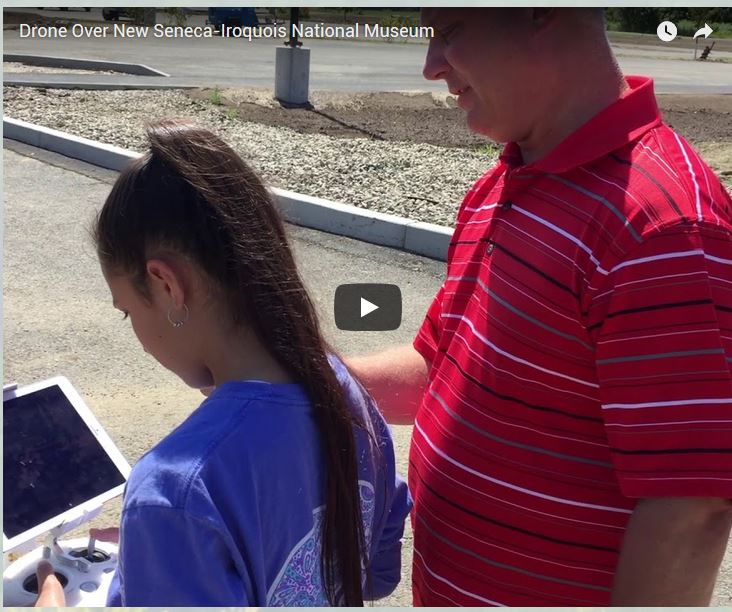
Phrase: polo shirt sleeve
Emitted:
{"points": [[427, 337], [664, 359], [170, 558]]}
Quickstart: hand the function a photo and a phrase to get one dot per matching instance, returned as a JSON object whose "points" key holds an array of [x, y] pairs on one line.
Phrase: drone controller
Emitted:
{"points": [[60, 467], [83, 566]]}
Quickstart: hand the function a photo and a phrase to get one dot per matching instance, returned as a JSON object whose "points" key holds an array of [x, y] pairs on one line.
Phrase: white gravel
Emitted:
{"points": [[385, 176]]}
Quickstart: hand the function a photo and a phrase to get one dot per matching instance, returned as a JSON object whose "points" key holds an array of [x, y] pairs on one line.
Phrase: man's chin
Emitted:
{"points": [[479, 125]]}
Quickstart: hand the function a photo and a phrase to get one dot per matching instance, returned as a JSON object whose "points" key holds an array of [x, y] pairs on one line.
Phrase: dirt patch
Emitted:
{"points": [[434, 118], [422, 118], [699, 118]]}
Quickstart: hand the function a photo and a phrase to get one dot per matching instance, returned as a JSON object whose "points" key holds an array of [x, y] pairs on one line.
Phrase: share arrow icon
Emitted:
{"points": [[705, 31]]}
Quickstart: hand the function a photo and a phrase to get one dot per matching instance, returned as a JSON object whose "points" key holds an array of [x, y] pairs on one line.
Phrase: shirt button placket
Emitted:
{"points": [[505, 207]]}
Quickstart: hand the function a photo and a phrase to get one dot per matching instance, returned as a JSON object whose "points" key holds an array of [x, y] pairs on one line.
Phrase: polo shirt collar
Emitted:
{"points": [[622, 122]]}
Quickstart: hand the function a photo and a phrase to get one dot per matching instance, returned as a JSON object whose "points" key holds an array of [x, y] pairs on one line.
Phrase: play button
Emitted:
{"points": [[367, 307]]}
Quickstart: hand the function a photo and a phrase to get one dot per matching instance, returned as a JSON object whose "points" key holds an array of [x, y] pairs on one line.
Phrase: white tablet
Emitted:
{"points": [[58, 462]]}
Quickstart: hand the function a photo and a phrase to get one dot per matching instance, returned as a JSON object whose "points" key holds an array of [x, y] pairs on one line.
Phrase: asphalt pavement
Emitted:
{"points": [[343, 65]]}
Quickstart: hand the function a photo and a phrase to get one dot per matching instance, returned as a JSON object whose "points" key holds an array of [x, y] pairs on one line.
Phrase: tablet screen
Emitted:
{"points": [[52, 461]]}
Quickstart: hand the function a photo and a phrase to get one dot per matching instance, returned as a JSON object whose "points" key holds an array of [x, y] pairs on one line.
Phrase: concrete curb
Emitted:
{"points": [[82, 64], [416, 237], [97, 153], [9, 81]]}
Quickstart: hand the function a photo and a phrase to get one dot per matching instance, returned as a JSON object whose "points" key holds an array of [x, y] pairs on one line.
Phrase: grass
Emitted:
{"points": [[689, 28], [215, 96], [489, 148], [719, 60]]}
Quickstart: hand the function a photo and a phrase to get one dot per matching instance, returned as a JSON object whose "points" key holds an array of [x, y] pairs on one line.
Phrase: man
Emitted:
{"points": [[571, 381]]}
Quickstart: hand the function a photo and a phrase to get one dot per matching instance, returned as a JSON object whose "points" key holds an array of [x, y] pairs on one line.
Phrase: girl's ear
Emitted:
{"points": [[167, 282]]}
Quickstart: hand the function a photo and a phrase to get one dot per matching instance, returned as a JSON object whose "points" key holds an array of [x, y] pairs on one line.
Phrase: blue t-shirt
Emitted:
{"points": [[227, 510]]}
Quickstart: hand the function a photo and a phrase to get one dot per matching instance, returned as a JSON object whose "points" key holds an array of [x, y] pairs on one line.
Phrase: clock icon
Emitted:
{"points": [[667, 31]]}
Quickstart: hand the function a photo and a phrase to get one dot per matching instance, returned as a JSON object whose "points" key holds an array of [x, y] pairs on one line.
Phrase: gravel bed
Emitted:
{"points": [[18, 67], [419, 181]]}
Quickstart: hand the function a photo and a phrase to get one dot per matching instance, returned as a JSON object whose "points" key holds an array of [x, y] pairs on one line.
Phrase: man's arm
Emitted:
{"points": [[396, 379], [672, 551]]}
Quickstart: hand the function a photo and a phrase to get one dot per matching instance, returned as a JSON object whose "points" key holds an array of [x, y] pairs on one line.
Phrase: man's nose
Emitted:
{"points": [[435, 65]]}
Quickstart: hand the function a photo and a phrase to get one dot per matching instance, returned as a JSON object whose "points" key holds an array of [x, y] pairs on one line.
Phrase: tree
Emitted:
{"points": [[644, 19]]}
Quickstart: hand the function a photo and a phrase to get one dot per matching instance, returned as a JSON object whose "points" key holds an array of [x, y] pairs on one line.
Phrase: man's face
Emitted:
{"points": [[487, 58]]}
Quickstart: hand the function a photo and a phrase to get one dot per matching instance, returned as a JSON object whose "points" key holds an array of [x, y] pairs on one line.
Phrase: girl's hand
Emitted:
{"points": [[207, 390], [106, 534], [50, 591]]}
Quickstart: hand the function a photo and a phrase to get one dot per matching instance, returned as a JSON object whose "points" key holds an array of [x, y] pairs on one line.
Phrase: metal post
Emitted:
{"points": [[294, 22]]}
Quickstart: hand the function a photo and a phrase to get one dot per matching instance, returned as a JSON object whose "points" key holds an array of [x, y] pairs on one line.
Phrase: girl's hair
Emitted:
{"points": [[192, 194]]}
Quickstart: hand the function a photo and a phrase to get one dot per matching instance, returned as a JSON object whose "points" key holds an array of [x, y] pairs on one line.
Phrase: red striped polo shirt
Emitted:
{"points": [[581, 351]]}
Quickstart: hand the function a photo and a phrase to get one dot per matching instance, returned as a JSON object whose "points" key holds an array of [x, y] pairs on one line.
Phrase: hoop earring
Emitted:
{"points": [[178, 324]]}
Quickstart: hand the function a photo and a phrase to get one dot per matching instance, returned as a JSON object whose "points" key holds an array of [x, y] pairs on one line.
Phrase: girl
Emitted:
{"points": [[280, 488]]}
